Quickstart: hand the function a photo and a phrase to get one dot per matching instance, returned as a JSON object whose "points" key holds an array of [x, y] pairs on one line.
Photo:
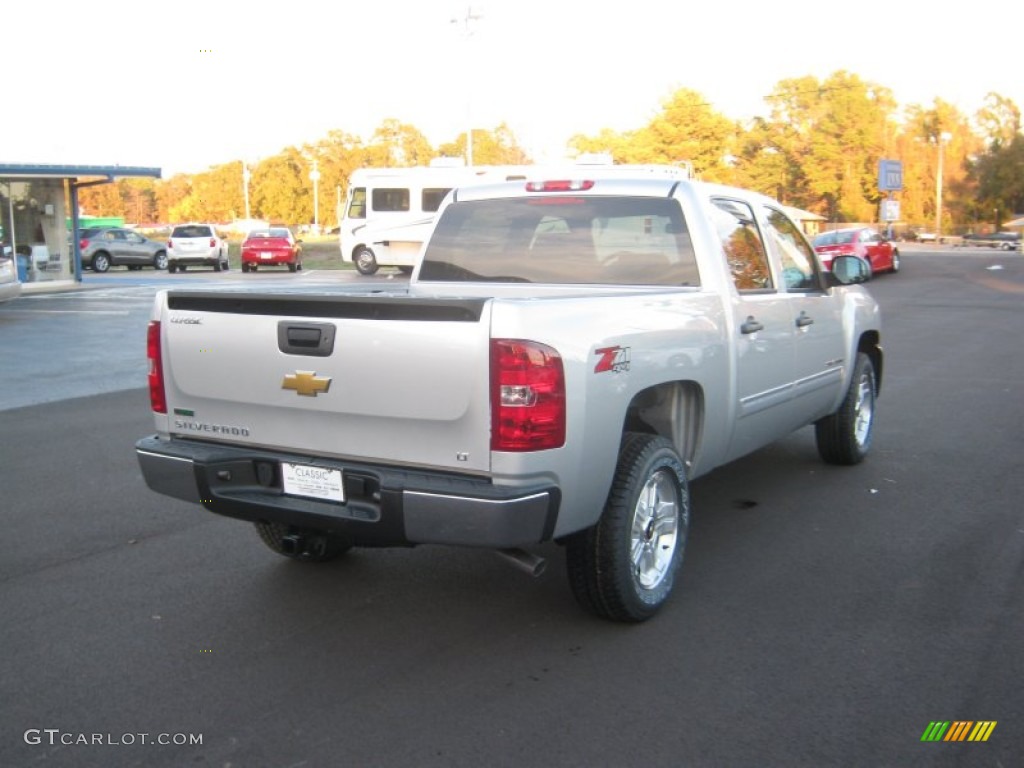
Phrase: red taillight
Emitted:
{"points": [[527, 396], [170, 244], [213, 242], [157, 397], [559, 185], [83, 244]]}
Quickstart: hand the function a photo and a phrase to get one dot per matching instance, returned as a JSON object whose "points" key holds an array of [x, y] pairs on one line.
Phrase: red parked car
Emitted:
{"points": [[867, 243], [271, 247]]}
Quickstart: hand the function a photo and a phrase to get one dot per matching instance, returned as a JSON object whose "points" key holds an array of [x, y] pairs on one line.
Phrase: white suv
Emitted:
{"points": [[196, 245]]}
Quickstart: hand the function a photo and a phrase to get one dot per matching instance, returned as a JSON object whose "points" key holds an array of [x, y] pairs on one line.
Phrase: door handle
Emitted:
{"points": [[804, 320], [751, 326]]}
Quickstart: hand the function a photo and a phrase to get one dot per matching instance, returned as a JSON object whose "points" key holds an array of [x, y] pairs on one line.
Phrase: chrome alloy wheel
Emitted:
{"points": [[655, 530], [864, 409]]}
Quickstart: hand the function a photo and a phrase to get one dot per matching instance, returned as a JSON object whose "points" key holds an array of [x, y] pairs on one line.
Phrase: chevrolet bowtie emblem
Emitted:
{"points": [[306, 383]]}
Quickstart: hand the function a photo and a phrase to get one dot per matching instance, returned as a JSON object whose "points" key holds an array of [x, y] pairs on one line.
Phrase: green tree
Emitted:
{"points": [[999, 120], [1000, 177]]}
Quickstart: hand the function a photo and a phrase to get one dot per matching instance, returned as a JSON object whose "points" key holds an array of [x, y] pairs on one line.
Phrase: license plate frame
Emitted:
{"points": [[312, 482]]}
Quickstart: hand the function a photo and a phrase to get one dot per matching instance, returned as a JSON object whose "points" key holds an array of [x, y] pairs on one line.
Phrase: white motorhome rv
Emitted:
{"points": [[389, 211]]}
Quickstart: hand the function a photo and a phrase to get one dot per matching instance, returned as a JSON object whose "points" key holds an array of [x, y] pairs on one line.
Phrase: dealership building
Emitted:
{"points": [[40, 217]]}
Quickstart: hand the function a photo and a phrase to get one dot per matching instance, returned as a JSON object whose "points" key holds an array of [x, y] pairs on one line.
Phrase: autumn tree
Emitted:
{"points": [[100, 200], [281, 190], [138, 198], [490, 147], [834, 131], [687, 129], [928, 133], [765, 161], [338, 154], [397, 144]]}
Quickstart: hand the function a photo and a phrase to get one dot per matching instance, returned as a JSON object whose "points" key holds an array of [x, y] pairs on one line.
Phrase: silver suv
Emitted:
{"points": [[106, 247], [196, 245]]}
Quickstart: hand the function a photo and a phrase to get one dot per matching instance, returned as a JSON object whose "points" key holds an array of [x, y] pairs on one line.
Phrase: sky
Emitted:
{"points": [[186, 85]]}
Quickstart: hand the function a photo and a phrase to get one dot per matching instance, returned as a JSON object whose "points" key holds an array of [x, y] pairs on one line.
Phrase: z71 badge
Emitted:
{"points": [[614, 359]]}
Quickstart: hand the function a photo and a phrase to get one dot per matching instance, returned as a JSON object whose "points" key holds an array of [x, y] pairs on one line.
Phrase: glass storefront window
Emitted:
{"points": [[33, 227]]}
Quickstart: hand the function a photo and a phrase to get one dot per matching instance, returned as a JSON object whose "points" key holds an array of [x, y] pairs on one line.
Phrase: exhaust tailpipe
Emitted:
{"points": [[532, 564]]}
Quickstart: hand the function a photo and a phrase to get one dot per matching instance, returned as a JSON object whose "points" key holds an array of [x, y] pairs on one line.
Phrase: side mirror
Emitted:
{"points": [[849, 270]]}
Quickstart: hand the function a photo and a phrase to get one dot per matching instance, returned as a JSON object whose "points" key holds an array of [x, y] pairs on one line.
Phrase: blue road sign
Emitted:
{"points": [[890, 175]]}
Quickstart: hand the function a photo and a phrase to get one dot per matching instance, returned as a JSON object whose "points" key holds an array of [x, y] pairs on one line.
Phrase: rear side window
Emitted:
{"points": [[192, 230], [563, 240], [743, 248], [431, 199], [390, 199]]}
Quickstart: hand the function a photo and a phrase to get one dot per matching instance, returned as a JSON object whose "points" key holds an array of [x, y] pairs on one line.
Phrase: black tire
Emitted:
{"points": [[216, 266], [895, 261], [319, 548], [225, 265], [625, 566], [100, 262], [160, 260], [365, 261], [292, 267], [844, 437], [172, 268], [183, 267]]}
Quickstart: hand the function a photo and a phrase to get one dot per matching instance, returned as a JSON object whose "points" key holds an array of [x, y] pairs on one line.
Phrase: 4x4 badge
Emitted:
{"points": [[306, 383]]}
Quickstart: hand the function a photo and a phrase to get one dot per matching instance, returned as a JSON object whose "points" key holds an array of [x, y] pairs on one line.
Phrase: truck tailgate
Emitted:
{"points": [[362, 377]]}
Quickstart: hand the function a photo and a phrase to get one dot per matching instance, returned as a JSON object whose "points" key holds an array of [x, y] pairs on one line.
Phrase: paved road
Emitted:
{"points": [[67, 344], [826, 616]]}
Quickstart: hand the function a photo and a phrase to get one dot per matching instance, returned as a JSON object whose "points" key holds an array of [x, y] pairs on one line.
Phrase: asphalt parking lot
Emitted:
{"points": [[826, 616]]}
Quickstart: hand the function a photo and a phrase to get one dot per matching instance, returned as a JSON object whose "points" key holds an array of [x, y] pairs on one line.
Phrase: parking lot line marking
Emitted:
{"points": [[74, 311]]}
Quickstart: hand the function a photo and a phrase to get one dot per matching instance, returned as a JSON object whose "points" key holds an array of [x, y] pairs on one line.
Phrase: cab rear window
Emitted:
{"points": [[563, 240]]}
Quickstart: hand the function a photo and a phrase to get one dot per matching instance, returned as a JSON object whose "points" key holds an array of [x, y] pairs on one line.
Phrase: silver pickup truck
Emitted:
{"points": [[569, 354]]}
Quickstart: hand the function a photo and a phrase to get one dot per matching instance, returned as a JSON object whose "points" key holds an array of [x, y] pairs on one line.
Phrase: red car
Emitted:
{"points": [[271, 247], [864, 242]]}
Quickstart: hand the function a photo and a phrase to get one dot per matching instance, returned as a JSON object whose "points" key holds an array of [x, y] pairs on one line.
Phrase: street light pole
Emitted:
{"points": [[942, 138], [245, 187], [467, 33], [314, 176]]}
